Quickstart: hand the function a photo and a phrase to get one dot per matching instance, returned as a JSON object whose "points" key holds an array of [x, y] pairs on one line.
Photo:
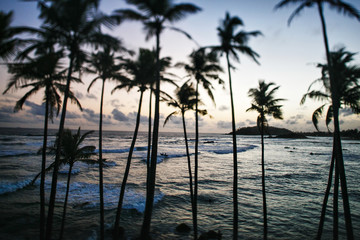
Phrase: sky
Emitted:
{"points": [[288, 58]]}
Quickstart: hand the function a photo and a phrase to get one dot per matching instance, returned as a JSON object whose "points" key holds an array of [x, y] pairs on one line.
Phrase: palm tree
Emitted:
{"points": [[8, 43], [232, 42], [349, 10], [103, 64], [73, 24], [186, 98], [154, 15], [203, 67], [40, 72], [71, 152], [346, 78], [142, 72], [265, 103]]}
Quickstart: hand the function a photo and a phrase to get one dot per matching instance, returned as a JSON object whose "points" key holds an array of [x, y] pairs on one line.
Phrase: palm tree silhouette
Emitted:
{"points": [[349, 10], [265, 103], [103, 63], [43, 71], [186, 99], [232, 42], [203, 67], [154, 15], [72, 150], [72, 23], [346, 78], [142, 72], [8, 43]]}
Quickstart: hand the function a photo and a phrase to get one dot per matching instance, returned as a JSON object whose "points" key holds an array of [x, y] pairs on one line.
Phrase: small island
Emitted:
{"points": [[271, 131], [276, 132]]}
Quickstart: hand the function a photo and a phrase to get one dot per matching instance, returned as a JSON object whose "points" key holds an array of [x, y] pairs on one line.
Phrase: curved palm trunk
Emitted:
{"points": [[235, 181], [65, 203], [196, 181], [43, 169], [50, 216], [101, 178], [326, 197], [337, 139], [189, 167], [263, 176], [127, 170], [150, 191]]}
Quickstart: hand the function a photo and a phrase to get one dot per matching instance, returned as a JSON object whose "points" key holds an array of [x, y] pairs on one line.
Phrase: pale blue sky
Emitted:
{"points": [[287, 57]]}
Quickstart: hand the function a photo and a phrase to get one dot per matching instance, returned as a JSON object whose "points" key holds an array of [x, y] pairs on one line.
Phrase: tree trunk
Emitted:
{"points": [[65, 203], [150, 191], [101, 178], [326, 197], [263, 176], [196, 181], [127, 170], [51, 208], [189, 169], [235, 167], [43, 169], [337, 139], [335, 205], [149, 138]]}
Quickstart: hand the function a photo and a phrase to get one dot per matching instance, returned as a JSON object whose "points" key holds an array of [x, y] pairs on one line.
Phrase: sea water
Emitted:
{"points": [[296, 177]]}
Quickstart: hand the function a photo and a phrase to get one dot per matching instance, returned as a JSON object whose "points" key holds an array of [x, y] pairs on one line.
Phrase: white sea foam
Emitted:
{"points": [[6, 187], [229, 150], [86, 195]]}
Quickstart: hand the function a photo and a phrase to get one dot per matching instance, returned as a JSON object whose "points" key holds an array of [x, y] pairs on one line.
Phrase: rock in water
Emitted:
{"points": [[211, 235], [183, 227]]}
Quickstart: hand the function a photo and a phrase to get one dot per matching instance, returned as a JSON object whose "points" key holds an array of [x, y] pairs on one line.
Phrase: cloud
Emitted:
{"points": [[36, 109], [78, 95], [6, 114], [223, 124], [250, 122], [90, 115], [346, 112], [223, 108], [91, 96], [294, 119], [116, 103], [72, 115], [133, 116], [119, 116]]}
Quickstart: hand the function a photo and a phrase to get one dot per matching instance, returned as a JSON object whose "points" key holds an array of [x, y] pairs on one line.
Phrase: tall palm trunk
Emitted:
{"points": [[127, 170], [101, 178], [337, 139], [149, 137], [326, 197], [263, 176], [50, 216], [43, 169], [235, 180], [150, 191], [335, 204], [190, 173], [196, 181], [65, 203]]}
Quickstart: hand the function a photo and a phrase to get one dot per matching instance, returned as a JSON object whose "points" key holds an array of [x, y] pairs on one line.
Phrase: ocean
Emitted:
{"points": [[296, 178]]}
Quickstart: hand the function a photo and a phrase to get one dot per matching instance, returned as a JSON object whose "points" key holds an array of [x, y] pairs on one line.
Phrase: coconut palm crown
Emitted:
{"points": [[265, 103], [346, 78]]}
